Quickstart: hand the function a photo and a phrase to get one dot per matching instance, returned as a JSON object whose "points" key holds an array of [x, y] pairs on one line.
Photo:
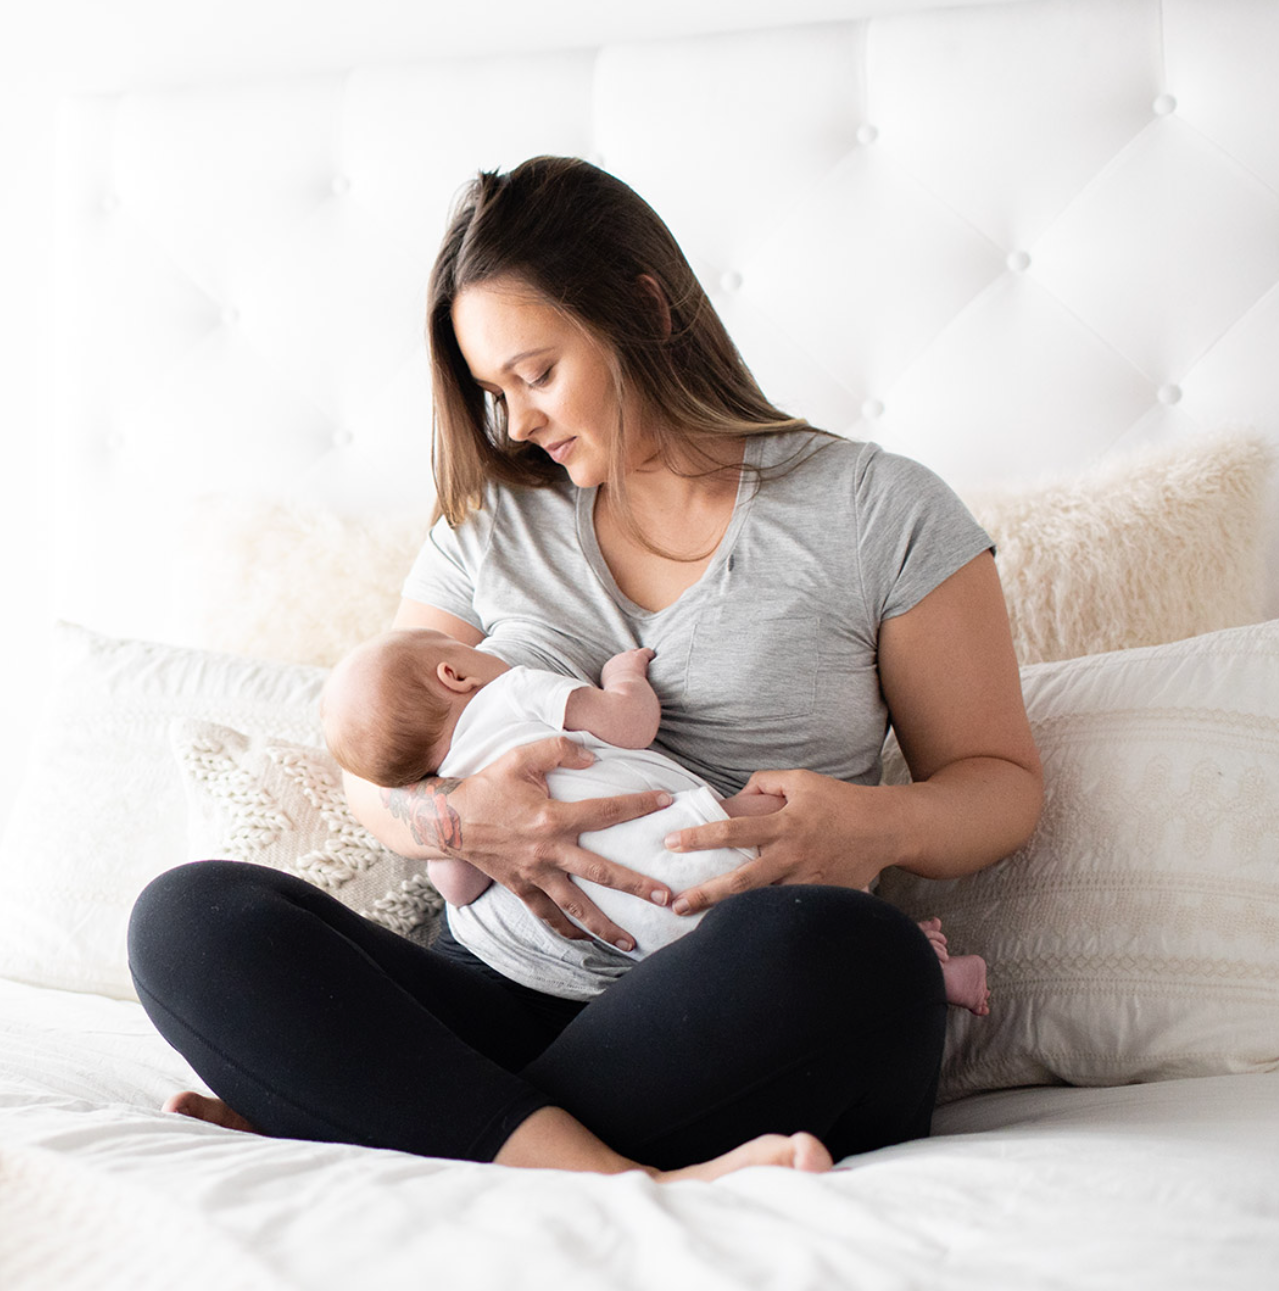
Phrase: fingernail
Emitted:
{"points": [[680, 907], [658, 898], [664, 800], [623, 944], [671, 842]]}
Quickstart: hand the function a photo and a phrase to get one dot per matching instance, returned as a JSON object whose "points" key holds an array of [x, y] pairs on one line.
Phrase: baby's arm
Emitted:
{"points": [[624, 710], [753, 804], [458, 882]]}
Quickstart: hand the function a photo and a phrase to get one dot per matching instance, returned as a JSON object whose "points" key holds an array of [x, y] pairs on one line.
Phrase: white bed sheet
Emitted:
{"points": [[1165, 1186]]}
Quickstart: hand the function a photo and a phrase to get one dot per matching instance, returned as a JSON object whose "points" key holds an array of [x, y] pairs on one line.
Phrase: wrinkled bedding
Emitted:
{"points": [[1168, 1186]]}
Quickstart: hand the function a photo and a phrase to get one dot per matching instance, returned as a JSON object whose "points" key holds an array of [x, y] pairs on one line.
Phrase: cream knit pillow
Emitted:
{"points": [[277, 803], [1161, 545]]}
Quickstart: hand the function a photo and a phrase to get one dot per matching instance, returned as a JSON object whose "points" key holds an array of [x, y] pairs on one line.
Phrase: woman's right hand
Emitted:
{"points": [[505, 823]]}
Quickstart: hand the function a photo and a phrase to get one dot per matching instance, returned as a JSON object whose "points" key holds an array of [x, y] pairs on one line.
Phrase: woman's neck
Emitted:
{"points": [[670, 504], [684, 517]]}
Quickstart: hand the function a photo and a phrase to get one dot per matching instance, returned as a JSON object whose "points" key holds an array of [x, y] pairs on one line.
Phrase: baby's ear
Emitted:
{"points": [[460, 684]]}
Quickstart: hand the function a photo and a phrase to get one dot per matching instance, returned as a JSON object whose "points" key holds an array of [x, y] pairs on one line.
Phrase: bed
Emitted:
{"points": [[1035, 245]]}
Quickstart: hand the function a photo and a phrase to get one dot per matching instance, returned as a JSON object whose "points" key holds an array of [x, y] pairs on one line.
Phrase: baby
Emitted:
{"points": [[414, 703]]}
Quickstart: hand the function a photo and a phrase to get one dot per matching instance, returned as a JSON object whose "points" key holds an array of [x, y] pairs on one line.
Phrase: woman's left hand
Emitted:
{"points": [[828, 832]]}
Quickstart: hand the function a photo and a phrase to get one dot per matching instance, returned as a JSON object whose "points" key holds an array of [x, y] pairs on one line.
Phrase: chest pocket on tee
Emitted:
{"points": [[750, 668]]}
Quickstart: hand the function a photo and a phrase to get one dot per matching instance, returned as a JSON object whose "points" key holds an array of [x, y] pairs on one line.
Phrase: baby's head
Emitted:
{"points": [[389, 708]]}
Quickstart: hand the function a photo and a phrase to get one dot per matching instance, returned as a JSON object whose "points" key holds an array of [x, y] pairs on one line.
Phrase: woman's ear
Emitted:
{"points": [[653, 288], [459, 683]]}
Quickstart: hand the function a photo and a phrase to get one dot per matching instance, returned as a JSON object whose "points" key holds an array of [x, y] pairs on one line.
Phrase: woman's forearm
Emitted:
{"points": [[458, 882], [417, 821], [966, 816]]}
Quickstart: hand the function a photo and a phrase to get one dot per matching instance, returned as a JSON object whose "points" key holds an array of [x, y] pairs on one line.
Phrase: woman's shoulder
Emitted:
{"points": [[556, 496], [829, 463], [502, 504], [815, 460]]}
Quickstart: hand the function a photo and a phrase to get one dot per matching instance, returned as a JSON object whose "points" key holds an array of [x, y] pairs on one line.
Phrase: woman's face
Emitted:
{"points": [[553, 377]]}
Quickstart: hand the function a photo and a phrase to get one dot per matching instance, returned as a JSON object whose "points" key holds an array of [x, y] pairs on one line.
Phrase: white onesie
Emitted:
{"points": [[524, 705]]}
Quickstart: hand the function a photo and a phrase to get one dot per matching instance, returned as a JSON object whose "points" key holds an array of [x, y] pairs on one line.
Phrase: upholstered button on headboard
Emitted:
{"points": [[1007, 240]]}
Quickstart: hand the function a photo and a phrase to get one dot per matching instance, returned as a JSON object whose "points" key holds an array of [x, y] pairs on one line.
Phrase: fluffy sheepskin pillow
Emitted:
{"points": [[1135, 937], [1164, 544], [294, 583]]}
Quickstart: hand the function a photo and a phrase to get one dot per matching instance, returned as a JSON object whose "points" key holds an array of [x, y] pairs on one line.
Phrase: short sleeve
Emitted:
{"points": [[540, 696], [446, 569], [913, 532]]}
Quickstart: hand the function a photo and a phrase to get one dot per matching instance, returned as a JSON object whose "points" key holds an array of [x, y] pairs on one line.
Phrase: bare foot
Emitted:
{"points": [[931, 928], [965, 978], [200, 1107], [793, 1152]]}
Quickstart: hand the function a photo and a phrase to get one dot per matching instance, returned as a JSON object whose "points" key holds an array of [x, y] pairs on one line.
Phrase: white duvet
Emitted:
{"points": [[1164, 1186]]}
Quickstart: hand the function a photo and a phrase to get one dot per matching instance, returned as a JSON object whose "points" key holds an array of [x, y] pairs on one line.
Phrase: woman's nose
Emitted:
{"points": [[522, 419]]}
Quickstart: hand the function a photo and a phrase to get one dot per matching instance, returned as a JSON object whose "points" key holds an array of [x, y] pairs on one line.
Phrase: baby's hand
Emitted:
{"points": [[624, 666], [624, 710]]}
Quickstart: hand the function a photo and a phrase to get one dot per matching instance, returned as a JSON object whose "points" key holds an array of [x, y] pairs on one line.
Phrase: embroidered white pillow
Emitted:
{"points": [[1136, 936], [102, 810], [281, 804]]}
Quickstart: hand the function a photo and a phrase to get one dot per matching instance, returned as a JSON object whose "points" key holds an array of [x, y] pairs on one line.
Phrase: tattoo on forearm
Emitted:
{"points": [[424, 808]]}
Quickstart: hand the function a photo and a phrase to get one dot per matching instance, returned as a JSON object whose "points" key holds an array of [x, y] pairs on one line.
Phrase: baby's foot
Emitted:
{"points": [[202, 1108], [965, 978], [793, 1152], [931, 928]]}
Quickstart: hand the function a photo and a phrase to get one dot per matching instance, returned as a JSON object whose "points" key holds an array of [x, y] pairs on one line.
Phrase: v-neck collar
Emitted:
{"points": [[747, 488]]}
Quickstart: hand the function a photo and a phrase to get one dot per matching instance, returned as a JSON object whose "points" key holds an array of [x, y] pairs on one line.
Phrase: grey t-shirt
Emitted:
{"points": [[769, 659]]}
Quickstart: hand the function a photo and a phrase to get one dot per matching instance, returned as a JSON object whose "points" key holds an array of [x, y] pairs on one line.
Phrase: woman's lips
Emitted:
{"points": [[561, 449]]}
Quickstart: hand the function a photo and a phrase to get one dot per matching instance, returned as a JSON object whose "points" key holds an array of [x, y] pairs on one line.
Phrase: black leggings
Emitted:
{"points": [[788, 1008]]}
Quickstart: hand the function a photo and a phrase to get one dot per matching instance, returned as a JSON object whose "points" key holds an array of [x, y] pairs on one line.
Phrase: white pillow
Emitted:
{"points": [[1136, 935], [102, 809], [276, 803], [1162, 544]]}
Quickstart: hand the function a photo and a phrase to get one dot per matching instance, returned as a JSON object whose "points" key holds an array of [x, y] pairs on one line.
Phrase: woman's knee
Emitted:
{"points": [[193, 892], [189, 913], [839, 934]]}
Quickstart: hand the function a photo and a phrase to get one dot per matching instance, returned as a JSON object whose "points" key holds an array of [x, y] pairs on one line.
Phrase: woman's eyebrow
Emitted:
{"points": [[524, 354]]}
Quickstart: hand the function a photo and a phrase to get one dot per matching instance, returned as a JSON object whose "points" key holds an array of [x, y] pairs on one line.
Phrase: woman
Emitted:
{"points": [[611, 477]]}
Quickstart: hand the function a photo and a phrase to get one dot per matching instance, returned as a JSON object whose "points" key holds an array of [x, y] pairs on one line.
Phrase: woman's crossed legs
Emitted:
{"points": [[790, 1011]]}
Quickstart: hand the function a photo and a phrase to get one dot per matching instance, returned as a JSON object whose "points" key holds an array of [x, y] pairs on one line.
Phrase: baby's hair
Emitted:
{"points": [[382, 715]]}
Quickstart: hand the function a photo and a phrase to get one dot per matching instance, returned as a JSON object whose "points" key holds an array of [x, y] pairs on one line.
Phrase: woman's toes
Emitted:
{"points": [[810, 1154], [199, 1107]]}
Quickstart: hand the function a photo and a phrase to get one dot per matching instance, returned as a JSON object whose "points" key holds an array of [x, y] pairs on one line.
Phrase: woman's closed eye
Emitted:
{"points": [[533, 383]]}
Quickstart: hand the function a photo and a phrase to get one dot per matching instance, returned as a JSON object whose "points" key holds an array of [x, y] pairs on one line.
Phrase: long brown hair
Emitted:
{"points": [[584, 241]]}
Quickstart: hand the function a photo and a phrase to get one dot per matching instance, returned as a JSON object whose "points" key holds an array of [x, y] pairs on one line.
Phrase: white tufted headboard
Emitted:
{"points": [[1008, 240]]}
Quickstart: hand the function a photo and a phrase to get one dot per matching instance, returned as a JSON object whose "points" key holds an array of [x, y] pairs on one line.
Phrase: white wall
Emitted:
{"points": [[58, 47]]}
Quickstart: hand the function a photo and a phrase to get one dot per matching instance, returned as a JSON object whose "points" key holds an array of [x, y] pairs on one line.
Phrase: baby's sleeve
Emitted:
{"points": [[541, 696]]}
